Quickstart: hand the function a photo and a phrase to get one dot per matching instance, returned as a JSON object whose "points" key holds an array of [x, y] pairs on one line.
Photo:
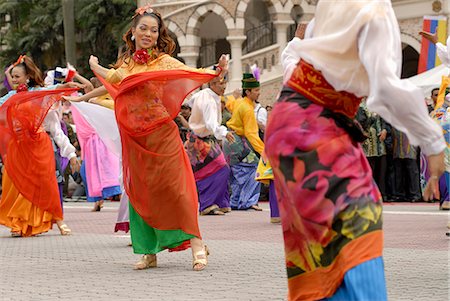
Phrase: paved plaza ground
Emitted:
{"points": [[247, 260]]}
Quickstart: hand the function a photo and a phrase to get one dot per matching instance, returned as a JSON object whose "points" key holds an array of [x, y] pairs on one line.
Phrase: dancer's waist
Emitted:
{"points": [[311, 83]]}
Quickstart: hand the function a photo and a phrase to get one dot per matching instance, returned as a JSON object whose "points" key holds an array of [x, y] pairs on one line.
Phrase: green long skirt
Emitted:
{"points": [[149, 240]]}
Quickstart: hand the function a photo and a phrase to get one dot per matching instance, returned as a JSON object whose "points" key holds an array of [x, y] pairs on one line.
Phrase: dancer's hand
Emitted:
{"points": [[93, 61], [71, 98], [432, 37], [76, 85], [436, 169], [230, 137], [264, 157], [223, 62], [382, 135]]}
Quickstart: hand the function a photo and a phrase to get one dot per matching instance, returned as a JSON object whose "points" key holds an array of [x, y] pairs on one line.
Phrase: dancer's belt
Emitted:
{"points": [[310, 82]]}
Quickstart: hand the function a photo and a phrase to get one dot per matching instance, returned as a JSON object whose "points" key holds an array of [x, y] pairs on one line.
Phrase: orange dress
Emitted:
{"points": [[30, 199], [158, 177]]}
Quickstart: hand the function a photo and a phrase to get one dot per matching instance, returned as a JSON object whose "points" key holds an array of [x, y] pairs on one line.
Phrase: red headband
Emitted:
{"points": [[20, 60]]}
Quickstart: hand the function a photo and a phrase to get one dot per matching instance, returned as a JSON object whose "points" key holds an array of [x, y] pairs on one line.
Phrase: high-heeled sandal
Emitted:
{"points": [[203, 262], [98, 206], [16, 234], [64, 230], [147, 261]]}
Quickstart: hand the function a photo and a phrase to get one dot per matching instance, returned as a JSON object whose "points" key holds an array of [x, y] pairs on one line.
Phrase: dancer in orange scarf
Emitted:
{"points": [[30, 201], [148, 88]]}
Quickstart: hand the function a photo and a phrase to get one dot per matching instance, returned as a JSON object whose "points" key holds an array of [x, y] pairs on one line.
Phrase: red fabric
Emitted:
{"points": [[27, 151], [158, 176], [310, 82], [184, 246]]}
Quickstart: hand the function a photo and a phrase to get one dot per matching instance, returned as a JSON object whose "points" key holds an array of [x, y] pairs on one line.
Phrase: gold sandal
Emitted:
{"points": [[147, 261], [16, 234], [64, 230], [200, 258]]}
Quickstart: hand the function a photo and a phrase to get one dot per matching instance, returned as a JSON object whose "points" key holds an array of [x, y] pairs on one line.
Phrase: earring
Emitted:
{"points": [[27, 81], [132, 38]]}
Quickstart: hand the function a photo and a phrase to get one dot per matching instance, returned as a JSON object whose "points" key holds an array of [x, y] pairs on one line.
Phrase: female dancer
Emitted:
{"points": [[30, 201], [149, 89], [331, 208], [101, 149]]}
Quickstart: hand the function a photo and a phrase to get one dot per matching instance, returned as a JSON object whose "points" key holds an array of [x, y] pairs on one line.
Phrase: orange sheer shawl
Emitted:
{"points": [[157, 173], [27, 150]]}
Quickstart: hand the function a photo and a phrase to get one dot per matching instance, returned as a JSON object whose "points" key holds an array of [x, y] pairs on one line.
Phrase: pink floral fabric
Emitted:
{"points": [[326, 193]]}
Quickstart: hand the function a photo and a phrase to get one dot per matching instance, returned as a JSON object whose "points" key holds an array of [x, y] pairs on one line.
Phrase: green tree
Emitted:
{"points": [[36, 28], [100, 26]]}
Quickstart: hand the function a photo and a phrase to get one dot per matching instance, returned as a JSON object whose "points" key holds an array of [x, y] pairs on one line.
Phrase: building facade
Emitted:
{"points": [[256, 31]]}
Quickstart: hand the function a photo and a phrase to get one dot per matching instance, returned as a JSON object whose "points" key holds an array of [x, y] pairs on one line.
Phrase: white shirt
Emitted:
{"points": [[260, 114], [52, 125], [444, 52], [398, 101], [206, 115]]}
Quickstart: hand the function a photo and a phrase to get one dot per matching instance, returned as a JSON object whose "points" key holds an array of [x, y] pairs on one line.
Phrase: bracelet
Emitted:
{"points": [[219, 68]]}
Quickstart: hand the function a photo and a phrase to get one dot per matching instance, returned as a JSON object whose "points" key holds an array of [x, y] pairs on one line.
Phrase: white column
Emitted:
{"points": [[236, 55], [190, 58], [281, 28]]}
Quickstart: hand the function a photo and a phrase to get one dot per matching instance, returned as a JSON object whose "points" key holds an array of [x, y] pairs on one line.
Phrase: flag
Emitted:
{"points": [[428, 56]]}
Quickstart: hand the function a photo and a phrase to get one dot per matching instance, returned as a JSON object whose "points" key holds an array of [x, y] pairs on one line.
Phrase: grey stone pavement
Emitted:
{"points": [[246, 262]]}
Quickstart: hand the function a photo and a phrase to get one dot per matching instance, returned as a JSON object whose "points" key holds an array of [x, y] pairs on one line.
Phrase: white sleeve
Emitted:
{"points": [[443, 53], [209, 111], [53, 126], [262, 116], [290, 55], [208, 108], [290, 58], [398, 101]]}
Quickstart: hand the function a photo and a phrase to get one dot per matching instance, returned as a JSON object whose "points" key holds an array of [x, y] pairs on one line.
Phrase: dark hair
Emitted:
{"points": [[434, 89], [165, 43], [244, 93], [35, 75]]}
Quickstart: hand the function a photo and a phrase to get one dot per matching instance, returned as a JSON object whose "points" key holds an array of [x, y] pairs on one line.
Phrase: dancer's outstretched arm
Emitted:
{"points": [[85, 97]]}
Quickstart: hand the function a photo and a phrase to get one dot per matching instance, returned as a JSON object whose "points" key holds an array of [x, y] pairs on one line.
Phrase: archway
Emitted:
{"points": [[410, 61], [296, 15], [212, 32], [258, 27]]}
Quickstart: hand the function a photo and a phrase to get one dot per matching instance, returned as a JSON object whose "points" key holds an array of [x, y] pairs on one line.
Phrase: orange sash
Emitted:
{"points": [[310, 82]]}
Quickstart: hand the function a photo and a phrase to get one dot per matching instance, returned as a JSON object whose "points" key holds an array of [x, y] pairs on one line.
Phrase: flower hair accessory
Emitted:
{"points": [[20, 60], [142, 10]]}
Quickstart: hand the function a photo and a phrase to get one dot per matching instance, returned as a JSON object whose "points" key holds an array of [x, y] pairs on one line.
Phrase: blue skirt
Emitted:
{"points": [[106, 192], [365, 282]]}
